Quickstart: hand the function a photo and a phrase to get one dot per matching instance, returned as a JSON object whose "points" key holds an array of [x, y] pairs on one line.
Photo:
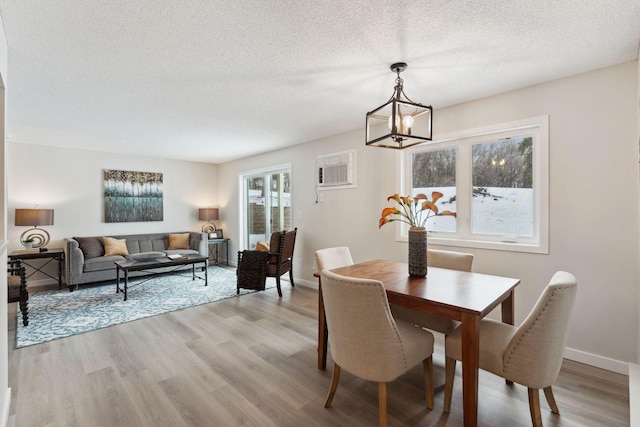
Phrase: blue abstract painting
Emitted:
{"points": [[131, 196]]}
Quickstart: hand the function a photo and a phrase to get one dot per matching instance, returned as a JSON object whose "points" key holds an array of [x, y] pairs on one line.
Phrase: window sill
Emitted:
{"points": [[484, 244]]}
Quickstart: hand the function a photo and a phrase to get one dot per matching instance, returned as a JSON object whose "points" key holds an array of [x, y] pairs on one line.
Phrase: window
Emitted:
{"points": [[494, 178], [266, 204]]}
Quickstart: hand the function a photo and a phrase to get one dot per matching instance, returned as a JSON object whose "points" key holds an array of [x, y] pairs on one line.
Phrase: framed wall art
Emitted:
{"points": [[132, 196]]}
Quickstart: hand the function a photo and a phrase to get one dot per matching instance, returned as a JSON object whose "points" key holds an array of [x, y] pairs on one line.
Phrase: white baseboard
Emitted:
{"points": [[307, 283], [597, 361], [6, 407]]}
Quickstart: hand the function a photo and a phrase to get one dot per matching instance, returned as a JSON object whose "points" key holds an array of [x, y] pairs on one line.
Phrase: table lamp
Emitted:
{"points": [[208, 214], [34, 237]]}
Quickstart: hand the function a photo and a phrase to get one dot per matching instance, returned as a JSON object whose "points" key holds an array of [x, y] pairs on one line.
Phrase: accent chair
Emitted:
{"points": [[279, 259]]}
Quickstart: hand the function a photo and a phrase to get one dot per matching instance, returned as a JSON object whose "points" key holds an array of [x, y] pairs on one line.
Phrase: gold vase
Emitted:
{"points": [[417, 252]]}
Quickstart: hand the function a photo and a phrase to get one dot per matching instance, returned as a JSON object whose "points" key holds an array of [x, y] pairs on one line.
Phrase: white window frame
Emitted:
{"points": [[538, 128], [242, 211]]}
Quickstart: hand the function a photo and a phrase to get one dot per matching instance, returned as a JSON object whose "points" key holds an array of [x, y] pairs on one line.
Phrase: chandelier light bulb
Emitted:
{"points": [[407, 121]]}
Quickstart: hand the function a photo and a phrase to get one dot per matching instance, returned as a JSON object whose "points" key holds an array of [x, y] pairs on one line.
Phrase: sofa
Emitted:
{"points": [[87, 262]]}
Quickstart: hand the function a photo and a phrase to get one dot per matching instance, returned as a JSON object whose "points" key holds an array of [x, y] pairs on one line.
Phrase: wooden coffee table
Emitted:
{"points": [[127, 266]]}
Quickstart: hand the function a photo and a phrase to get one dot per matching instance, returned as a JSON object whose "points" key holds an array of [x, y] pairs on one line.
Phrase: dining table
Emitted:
{"points": [[463, 296]]}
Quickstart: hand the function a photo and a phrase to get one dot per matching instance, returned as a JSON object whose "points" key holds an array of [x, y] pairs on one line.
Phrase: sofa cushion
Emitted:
{"points": [[179, 241], [91, 247], [102, 263], [115, 246]]}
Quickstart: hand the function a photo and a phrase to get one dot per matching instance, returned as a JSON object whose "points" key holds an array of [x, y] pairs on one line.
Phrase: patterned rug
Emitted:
{"points": [[60, 313]]}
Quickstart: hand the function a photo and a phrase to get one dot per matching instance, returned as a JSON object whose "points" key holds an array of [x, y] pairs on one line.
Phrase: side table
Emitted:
{"points": [[216, 243], [49, 255]]}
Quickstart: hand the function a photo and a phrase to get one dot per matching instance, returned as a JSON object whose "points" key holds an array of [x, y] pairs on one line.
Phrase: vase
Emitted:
{"points": [[417, 251]]}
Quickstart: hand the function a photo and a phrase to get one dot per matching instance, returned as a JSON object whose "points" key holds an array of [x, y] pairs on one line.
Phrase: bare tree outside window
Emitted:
{"points": [[496, 179], [436, 171], [502, 187]]}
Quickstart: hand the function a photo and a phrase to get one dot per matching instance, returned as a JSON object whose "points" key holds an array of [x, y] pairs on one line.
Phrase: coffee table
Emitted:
{"points": [[130, 265]]}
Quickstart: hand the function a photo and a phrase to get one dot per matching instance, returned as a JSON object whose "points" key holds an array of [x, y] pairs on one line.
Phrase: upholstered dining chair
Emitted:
{"points": [[460, 261], [367, 341], [330, 258], [452, 260], [530, 354]]}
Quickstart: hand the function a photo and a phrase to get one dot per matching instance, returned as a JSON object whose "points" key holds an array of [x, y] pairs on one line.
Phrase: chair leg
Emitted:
{"points": [[24, 298], [548, 393], [24, 309], [278, 286], [449, 375], [334, 385], [534, 407], [291, 277], [427, 364], [382, 403]]}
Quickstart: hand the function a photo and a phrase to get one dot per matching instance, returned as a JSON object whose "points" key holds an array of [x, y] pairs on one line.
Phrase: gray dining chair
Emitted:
{"points": [[460, 261], [367, 341], [530, 354], [330, 258]]}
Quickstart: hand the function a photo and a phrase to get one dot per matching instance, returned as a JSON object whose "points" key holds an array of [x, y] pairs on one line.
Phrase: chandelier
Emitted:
{"points": [[400, 122]]}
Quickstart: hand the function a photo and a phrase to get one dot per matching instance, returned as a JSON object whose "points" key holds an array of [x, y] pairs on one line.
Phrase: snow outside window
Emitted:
{"points": [[494, 178]]}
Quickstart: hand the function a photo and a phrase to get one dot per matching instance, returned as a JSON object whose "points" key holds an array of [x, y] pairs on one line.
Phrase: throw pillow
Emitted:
{"points": [[262, 246], [179, 241], [115, 246], [91, 247]]}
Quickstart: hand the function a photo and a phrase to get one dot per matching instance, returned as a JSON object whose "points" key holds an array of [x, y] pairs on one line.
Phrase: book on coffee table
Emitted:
{"points": [[175, 256]]}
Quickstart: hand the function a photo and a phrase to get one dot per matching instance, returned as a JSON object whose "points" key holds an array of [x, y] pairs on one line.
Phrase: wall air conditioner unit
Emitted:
{"points": [[336, 171]]}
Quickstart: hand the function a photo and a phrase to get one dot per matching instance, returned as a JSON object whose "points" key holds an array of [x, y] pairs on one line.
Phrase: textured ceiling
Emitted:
{"points": [[218, 80]]}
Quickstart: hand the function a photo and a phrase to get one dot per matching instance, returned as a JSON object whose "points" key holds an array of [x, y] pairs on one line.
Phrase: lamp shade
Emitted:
{"points": [[208, 214], [34, 217]]}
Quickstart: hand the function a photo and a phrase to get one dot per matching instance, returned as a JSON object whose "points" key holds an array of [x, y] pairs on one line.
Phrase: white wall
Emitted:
{"points": [[71, 182], [594, 200], [5, 392]]}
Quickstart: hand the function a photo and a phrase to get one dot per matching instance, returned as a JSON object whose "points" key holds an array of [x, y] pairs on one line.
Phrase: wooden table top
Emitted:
{"points": [[447, 292]]}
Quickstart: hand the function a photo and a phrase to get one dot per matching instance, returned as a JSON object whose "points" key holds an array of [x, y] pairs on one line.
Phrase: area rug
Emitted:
{"points": [[60, 313]]}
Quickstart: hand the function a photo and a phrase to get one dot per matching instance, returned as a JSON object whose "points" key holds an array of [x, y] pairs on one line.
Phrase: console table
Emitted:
{"points": [[216, 243], [49, 255]]}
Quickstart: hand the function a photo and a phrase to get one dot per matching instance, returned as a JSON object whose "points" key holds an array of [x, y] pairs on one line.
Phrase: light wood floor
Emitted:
{"points": [[252, 361]]}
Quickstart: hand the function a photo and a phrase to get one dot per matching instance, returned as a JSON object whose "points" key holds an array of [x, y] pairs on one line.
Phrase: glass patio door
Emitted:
{"points": [[267, 205]]}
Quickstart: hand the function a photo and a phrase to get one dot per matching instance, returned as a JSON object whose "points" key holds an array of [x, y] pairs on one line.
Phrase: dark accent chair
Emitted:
{"points": [[275, 263], [252, 270], [17, 288]]}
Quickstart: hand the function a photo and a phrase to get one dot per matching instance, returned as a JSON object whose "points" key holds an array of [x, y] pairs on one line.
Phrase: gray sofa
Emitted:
{"points": [[95, 267]]}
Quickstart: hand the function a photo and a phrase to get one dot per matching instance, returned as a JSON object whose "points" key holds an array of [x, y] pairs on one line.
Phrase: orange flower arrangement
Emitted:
{"points": [[409, 212]]}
